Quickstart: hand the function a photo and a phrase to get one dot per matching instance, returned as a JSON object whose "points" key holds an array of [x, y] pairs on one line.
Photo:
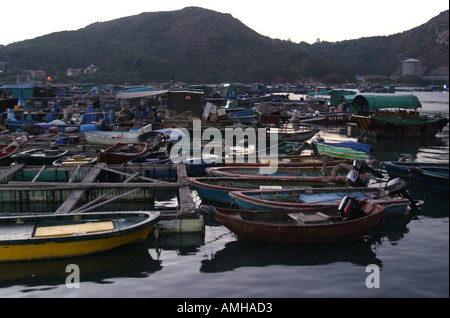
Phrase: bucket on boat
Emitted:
{"points": [[61, 141], [50, 117], [11, 114], [84, 128]]}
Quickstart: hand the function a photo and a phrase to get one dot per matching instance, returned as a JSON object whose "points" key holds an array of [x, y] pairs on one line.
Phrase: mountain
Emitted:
{"points": [[197, 45], [428, 43]]}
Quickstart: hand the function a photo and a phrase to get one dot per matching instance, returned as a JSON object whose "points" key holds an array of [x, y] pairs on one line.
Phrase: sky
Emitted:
{"points": [[295, 20]]}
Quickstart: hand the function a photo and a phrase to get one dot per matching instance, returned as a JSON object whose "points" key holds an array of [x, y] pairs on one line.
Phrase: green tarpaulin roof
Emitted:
{"points": [[375, 102]]}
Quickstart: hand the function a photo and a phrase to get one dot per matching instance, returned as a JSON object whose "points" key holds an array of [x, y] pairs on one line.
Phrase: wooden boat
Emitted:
{"points": [[392, 117], [302, 173], [293, 161], [27, 237], [39, 156], [75, 160], [436, 179], [7, 151], [402, 168], [284, 148], [396, 204], [244, 116], [122, 152], [216, 190], [323, 118], [295, 136], [349, 149], [110, 138], [299, 227]]}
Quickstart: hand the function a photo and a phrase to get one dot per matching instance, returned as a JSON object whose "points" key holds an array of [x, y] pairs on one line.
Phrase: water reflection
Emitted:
{"points": [[183, 244], [243, 253], [391, 149], [128, 261]]}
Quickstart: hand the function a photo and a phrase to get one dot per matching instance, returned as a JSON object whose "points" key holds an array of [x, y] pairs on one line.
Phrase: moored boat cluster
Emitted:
{"points": [[294, 188]]}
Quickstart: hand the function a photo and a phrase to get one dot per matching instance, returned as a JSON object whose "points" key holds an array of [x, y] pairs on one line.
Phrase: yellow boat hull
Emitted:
{"points": [[54, 249]]}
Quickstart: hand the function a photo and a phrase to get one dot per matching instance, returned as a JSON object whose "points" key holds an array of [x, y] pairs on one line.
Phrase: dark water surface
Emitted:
{"points": [[412, 254]]}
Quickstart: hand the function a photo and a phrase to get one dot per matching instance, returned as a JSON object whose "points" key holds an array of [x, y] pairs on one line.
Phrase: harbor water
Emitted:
{"points": [[412, 254]]}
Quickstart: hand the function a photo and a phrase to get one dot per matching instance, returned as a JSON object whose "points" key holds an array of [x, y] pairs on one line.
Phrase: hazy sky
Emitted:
{"points": [[298, 20]]}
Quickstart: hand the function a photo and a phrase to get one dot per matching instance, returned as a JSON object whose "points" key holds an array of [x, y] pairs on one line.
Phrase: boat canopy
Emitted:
{"points": [[375, 102], [139, 94]]}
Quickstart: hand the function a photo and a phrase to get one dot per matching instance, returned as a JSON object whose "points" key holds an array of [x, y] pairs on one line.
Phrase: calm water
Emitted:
{"points": [[412, 254]]}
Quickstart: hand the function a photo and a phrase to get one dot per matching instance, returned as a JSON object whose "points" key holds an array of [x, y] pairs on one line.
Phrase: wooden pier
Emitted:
{"points": [[183, 219]]}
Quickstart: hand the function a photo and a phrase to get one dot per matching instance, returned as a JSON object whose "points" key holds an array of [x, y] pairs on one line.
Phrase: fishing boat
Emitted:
{"points": [[295, 136], [322, 118], [394, 116], [75, 160], [39, 156], [284, 148], [216, 190], [122, 152], [301, 227], [244, 116], [110, 138], [436, 179], [396, 202], [7, 151], [28, 237], [402, 168], [347, 149], [302, 173]]}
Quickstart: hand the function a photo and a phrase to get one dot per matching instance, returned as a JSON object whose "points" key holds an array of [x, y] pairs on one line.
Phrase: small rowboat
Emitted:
{"points": [[75, 160], [300, 227], [122, 152], [396, 204], [302, 173], [6, 152], [216, 190], [435, 178], [402, 168], [39, 156], [29, 237]]}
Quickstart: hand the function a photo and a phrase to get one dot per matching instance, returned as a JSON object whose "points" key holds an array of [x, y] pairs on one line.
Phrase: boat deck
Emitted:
{"points": [[17, 231]]}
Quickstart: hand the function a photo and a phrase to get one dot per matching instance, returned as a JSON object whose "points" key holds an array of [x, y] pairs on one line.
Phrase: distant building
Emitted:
{"points": [[76, 71], [38, 74], [411, 67], [73, 71], [91, 69]]}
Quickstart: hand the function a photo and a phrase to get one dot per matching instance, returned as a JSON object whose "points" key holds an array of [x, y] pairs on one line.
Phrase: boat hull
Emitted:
{"points": [[109, 138], [38, 157], [50, 247], [216, 190], [391, 127], [435, 179], [326, 118], [294, 233], [121, 153], [402, 168], [320, 198]]}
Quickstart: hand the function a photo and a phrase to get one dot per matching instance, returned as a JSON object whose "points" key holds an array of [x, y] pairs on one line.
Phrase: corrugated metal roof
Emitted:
{"points": [[15, 86], [386, 101], [129, 95]]}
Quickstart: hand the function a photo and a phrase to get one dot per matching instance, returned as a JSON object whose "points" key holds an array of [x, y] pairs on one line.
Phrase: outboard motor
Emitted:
{"points": [[349, 209], [354, 179], [361, 166], [397, 186]]}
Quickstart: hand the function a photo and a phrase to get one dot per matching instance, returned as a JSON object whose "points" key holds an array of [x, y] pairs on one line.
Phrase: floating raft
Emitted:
{"points": [[71, 186]]}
